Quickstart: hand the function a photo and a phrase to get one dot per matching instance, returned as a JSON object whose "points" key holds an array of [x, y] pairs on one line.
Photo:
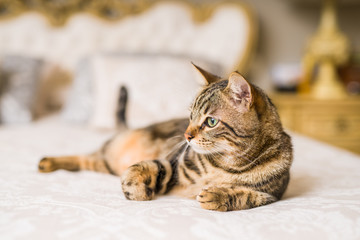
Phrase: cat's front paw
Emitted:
{"points": [[213, 198], [138, 183]]}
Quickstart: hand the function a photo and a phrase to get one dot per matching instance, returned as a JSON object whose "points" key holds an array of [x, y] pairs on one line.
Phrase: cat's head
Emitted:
{"points": [[226, 114]]}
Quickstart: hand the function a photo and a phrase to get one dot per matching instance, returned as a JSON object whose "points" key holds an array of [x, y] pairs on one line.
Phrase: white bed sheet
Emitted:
{"points": [[322, 201]]}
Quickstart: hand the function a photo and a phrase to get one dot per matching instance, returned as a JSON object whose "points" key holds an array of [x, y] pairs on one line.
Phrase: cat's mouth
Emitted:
{"points": [[198, 148]]}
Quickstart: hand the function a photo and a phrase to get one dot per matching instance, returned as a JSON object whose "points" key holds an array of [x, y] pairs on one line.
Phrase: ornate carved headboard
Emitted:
{"points": [[64, 31]]}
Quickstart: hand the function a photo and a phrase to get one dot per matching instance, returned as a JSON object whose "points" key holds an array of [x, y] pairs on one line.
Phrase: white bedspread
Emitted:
{"points": [[322, 201]]}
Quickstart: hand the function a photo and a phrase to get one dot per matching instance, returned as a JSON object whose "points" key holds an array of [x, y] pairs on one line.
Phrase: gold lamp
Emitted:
{"points": [[327, 49]]}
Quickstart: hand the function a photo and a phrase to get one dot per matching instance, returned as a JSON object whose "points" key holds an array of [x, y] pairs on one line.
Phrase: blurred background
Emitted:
{"points": [[70, 57], [285, 28]]}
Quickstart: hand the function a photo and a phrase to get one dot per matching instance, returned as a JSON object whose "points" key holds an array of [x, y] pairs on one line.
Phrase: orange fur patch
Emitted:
{"points": [[129, 149]]}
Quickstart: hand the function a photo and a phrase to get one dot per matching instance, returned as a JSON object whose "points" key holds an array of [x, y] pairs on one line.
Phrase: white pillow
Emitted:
{"points": [[160, 87]]}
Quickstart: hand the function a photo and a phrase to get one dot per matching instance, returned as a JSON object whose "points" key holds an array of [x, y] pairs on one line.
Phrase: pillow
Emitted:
{"points": [[30, 88], [78, 106], [53, 87], [160, 87], [19, 81]]}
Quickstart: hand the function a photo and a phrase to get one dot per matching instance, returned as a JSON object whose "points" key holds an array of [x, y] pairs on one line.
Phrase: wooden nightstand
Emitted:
{"points": [[333, 121]]}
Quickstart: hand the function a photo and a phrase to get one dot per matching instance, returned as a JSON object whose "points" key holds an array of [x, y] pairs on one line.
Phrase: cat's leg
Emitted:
{"points": [[236, 198], [143, 180], [93, 162]]}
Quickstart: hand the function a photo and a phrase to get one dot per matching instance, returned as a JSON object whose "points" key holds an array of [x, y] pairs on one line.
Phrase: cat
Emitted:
{"points": [[231, 154]]}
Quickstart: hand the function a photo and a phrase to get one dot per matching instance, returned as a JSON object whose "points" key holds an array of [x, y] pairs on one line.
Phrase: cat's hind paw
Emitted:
{"points": [[47, 164]]}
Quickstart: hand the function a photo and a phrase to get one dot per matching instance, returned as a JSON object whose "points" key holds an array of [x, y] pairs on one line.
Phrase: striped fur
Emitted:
{"points": [[240, 163]]}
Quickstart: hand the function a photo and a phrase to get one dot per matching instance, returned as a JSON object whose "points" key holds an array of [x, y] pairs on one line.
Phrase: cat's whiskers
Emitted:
{"points": [[216, 152], [213, 155], [222, 147], [175, 137], [175, 148]]}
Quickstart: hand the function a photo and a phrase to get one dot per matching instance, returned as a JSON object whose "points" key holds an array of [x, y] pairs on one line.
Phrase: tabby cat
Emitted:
{"points": [[231, 154]]}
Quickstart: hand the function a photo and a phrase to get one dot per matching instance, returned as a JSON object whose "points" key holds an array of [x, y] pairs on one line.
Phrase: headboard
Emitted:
{"points": [[144, 45], [66, 31]]}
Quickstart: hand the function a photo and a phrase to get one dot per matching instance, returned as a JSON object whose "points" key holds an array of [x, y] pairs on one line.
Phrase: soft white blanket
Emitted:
{"points": [[322, 201]]}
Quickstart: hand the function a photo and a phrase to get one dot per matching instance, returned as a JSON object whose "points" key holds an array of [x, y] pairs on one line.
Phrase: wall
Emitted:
{"points": [[285, 27]]}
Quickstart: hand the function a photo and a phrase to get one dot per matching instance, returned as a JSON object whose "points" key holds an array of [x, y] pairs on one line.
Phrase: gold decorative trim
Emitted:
{"points": [[58, 12]]}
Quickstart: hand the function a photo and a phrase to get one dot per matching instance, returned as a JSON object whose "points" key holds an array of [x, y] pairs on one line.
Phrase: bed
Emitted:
{"points": [[321, 202]]}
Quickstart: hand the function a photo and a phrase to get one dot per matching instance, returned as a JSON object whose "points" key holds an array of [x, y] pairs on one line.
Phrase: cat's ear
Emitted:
{"points": [[239, 91], [209, 77]]}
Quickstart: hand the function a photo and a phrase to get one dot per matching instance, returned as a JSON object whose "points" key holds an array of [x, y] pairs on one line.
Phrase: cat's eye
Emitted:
{"points": [[211, 122]]}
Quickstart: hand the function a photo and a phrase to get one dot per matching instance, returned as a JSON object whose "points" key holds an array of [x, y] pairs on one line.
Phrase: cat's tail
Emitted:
{"points": [[121, 109]]}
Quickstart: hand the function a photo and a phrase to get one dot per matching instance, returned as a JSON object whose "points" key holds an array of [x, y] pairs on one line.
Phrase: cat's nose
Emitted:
{"points": [[188, 136]]}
